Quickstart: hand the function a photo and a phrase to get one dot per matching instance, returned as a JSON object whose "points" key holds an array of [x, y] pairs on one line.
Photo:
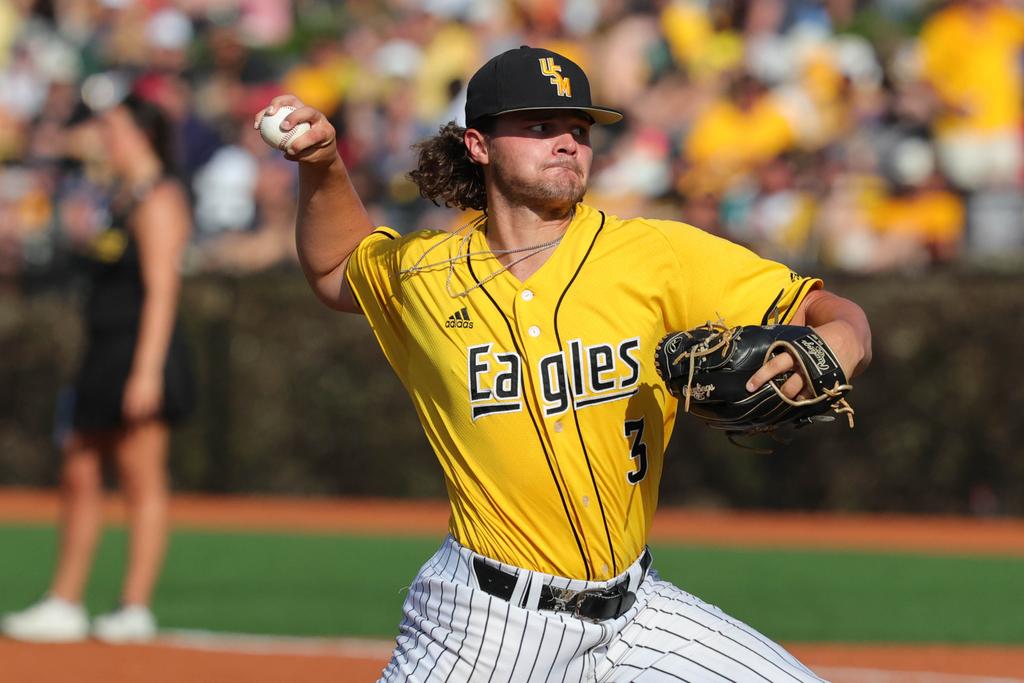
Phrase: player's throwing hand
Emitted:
{"points": [[316, 146]]}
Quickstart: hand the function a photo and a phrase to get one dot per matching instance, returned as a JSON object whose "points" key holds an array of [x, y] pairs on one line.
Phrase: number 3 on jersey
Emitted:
{"points": [[637, 450]]}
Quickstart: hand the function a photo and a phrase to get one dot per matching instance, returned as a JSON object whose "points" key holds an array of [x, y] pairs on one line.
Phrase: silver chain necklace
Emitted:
{"points": [[464, 253]]}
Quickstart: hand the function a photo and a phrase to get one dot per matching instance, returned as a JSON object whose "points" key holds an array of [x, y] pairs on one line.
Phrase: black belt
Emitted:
{"points": [[594, 604]]}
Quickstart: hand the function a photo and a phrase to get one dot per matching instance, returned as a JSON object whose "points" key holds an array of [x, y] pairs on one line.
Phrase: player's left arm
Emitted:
{"points": [[161, 227], [840, 322]]}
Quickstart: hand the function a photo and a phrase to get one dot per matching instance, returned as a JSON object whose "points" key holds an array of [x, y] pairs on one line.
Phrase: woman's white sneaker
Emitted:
{"points": [[129, 624], [51, 620]]}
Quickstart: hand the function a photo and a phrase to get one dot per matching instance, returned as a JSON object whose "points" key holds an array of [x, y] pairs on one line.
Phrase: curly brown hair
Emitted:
{"points": [[445, 172]]}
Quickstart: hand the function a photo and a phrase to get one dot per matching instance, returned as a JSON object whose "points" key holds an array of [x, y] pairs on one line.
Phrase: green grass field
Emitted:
{"points": [[341, 585]]}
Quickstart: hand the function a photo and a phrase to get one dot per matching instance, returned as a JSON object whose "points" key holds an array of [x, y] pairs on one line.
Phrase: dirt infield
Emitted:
{"points": [[171, 663], [868, 532], [198, 658]]}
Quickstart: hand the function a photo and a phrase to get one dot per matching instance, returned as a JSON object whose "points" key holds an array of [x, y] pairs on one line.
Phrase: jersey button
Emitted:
{"points": [[558, 427], [527, 295], [534, 331]]}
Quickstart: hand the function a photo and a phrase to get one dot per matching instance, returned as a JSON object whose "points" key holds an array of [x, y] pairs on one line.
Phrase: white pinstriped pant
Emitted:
{"points": [[453, 632]]}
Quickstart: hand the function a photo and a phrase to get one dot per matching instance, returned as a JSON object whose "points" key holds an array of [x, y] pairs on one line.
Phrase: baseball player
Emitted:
{"points": [[525, 340]]}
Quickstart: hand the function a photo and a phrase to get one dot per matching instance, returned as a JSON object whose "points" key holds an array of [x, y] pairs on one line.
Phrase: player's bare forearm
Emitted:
{"points": [[330, 223], [331, 219], [841, 323]]}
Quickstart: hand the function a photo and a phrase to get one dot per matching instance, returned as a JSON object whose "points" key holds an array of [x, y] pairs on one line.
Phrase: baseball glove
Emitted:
{"points": [[708, 368]]}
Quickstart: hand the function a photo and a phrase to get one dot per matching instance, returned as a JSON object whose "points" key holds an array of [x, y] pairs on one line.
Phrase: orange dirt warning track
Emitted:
{"points": [[194, 657]]}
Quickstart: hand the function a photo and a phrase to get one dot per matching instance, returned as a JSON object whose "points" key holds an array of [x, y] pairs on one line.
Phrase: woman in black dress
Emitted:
{"points": [[134, 383]]}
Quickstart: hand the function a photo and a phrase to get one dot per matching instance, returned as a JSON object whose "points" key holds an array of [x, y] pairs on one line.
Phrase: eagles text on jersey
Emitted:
{"points": [[580, 377]]}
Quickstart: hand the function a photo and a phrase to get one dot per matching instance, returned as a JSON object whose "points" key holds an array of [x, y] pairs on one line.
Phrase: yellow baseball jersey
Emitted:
{"points": [[540, 398]]}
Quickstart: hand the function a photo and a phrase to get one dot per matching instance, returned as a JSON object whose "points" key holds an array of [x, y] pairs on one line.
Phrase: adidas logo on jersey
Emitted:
{"points": [[459, 318]]}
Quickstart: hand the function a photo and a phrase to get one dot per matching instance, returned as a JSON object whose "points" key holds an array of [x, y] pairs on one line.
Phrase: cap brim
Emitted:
{"points": [[601, 115]]}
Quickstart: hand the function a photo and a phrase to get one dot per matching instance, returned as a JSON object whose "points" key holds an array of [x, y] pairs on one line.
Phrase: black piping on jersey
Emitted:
{"points": [[604, 399], [536, 427], [480, 411], [785, 314], [575, 415], [771, 307], [355, 297]]}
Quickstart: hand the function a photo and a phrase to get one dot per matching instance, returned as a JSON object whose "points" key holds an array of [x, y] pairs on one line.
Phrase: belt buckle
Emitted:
{"points": [[571, 602], [620, 597], [565, 600]]}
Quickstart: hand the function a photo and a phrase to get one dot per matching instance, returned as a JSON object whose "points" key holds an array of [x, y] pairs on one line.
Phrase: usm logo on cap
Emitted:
{"points": [[554, 71]]}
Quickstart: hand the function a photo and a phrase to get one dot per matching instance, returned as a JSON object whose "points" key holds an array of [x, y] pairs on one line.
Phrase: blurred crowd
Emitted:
{"points": [[861, 136]]}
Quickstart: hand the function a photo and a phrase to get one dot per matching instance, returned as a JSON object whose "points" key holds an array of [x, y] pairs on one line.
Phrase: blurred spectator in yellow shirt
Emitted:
{"points": [[320, 81], [702, 44], [736, 134], [971, 57], [920, 221], [782, 212], [844, 232], [446, 57]]}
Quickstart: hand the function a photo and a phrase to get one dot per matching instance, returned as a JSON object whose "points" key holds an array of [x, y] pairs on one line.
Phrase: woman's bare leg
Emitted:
{"points": [[81, 514], [141, 452]]}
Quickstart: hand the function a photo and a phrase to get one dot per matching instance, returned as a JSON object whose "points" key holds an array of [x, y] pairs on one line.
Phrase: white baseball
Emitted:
{"points": [[270, 129]]}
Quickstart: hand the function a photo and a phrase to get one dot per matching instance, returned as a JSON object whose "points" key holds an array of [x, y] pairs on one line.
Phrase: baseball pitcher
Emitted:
{"points": [[526, 340]]}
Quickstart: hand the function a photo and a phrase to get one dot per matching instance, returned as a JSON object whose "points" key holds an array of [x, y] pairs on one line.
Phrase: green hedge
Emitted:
{"points": [[298, 399]]}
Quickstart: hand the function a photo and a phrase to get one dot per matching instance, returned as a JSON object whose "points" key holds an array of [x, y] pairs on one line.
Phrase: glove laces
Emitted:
{"points": [[721, 337]]}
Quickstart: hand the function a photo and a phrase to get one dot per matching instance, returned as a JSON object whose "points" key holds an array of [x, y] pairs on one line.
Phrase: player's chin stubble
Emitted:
{"points": [[553, 191]]}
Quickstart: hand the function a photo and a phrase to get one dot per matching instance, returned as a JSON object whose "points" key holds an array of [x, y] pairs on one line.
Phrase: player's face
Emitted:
{"points": [[541, 159]]}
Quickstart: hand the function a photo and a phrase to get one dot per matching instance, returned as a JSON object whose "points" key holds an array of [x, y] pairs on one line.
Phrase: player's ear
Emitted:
{"points": [[476, 146]]}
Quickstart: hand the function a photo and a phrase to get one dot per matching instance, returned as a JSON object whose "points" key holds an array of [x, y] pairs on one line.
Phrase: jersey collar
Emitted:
{"points": [[551, 279]]}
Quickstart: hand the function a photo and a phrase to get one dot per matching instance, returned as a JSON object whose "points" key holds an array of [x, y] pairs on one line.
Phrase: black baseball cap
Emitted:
{"points": [[531, 78]]}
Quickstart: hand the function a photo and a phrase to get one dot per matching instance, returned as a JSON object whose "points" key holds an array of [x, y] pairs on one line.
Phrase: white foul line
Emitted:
{"points": [[858, 675], [245, 643]]}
